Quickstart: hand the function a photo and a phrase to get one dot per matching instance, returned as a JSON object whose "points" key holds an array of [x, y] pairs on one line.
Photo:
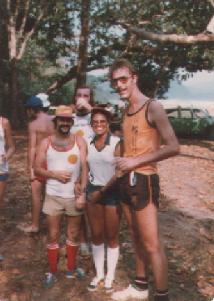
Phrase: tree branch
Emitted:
{"points": [[72, 74], [164, 38], [24, 19], [28, 35], [11, 31]]}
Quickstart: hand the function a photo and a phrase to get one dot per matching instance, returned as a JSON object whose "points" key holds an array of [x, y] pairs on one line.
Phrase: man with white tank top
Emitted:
{"points": [[64, 155]]}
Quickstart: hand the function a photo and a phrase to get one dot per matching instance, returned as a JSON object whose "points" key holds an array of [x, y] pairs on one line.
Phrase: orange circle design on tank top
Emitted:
{"points": [[72, 159], [80, 133]]}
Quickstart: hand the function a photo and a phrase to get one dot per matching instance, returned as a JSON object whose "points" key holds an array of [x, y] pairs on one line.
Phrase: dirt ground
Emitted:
{"points": [[187, 225]]}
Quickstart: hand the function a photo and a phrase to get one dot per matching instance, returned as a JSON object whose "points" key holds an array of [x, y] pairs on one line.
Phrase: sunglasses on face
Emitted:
{"points": [[122, 80]]}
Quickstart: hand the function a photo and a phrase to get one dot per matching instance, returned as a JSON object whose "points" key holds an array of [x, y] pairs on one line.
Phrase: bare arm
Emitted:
{"points": [[31, 149], [10, 146], [84, 166], [83, 179], [158, 117]]}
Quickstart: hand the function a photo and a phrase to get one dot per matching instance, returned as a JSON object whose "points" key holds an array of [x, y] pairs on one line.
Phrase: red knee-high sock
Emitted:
{"points": [[71, 254], [53, 250]]}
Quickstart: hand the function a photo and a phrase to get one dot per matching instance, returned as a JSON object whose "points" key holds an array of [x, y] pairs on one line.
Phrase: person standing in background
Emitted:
{"points": [[84, 102], [7, 149], [40, 126]]}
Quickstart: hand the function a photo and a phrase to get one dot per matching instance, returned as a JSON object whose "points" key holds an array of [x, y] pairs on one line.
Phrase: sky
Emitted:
{"points": [[195, 91]]}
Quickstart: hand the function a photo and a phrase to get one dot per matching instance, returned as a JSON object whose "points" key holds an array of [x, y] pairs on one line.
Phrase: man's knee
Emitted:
{"points": [[112, 240], [73, 234], [53, 236], [97, 238], [152, 246]]}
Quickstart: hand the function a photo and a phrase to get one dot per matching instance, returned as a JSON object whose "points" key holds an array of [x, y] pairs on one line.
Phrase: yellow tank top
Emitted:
{"points": [[140, 138]]}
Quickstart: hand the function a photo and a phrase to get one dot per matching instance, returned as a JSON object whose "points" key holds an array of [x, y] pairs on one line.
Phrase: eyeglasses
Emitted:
{"points": [[96, 122], [122, 79]]}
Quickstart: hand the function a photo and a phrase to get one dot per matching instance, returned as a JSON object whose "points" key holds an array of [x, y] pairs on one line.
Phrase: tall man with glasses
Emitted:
{"points": [[144, 125]]}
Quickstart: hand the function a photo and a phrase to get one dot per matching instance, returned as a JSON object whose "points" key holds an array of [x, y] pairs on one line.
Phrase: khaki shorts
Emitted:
{"points": [[55, 205]]}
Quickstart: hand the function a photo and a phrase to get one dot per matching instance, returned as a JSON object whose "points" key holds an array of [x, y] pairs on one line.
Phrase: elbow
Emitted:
{"points": [[37, 171], [175, 149]]}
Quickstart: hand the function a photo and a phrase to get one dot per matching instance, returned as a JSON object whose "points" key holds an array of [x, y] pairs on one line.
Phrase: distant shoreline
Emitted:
{"points": [[208, 105]]}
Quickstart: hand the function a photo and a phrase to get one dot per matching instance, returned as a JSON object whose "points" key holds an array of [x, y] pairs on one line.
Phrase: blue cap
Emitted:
{"points": [[34, 102]]}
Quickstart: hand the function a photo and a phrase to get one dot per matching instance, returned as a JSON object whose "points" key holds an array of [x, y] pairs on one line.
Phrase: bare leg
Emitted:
{"points": [[147, 224], [36, 188], [73, 228], [3, 185], [96, 221], [53, 223], [140, 256], [112, 224], [84, 245]]}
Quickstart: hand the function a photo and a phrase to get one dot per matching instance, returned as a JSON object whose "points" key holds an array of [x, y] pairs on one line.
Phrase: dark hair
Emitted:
{"points": [[35, 110], [101, 111], [121, 63], [91, 101]]}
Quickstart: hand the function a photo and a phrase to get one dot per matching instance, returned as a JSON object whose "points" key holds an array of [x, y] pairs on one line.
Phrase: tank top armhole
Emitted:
{"points": [[147, 111], [48, 144]]}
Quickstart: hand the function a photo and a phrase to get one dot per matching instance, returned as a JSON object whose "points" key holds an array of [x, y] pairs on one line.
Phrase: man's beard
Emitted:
{"points": [[64, 130], [82, 112]]}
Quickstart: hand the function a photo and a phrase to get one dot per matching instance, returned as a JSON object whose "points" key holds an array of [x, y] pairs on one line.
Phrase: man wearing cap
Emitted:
{"points": [[65, 157], [40, 126], [45, 102]]}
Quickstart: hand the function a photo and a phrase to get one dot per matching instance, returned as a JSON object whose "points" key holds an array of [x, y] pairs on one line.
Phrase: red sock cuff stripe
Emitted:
{"points": [[52, 246]]}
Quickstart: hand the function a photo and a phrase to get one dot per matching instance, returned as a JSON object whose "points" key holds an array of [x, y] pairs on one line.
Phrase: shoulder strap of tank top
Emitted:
{"points": [[148, 102], [76, 141], [141, 108]]}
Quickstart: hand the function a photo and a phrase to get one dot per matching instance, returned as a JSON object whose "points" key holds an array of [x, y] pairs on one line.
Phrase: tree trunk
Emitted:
{"points": [[15, 106], [83, 44]]}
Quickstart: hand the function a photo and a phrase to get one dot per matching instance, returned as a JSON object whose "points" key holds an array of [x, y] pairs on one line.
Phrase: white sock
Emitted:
{"points": [[112, 259], [98, 257]]}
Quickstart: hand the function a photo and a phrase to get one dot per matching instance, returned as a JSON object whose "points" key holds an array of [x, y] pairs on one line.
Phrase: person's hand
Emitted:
{"points": [[95, 196], [3, 158], [32, 175], [80, 201], [82, 103], [77, 189], [62, 176], [126, 164]]}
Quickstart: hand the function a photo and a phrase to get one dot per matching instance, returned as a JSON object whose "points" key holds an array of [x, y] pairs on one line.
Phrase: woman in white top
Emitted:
{"points": [[103, 206], [7, 148]]}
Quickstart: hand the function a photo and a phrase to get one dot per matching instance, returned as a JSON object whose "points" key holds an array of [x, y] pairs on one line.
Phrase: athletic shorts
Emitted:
{"points": [[55, 205], [109, 198], [4, 177], [145, 189]]}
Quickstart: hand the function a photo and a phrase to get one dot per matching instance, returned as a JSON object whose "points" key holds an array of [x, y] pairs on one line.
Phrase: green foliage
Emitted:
{"points": [[57, 37]]}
